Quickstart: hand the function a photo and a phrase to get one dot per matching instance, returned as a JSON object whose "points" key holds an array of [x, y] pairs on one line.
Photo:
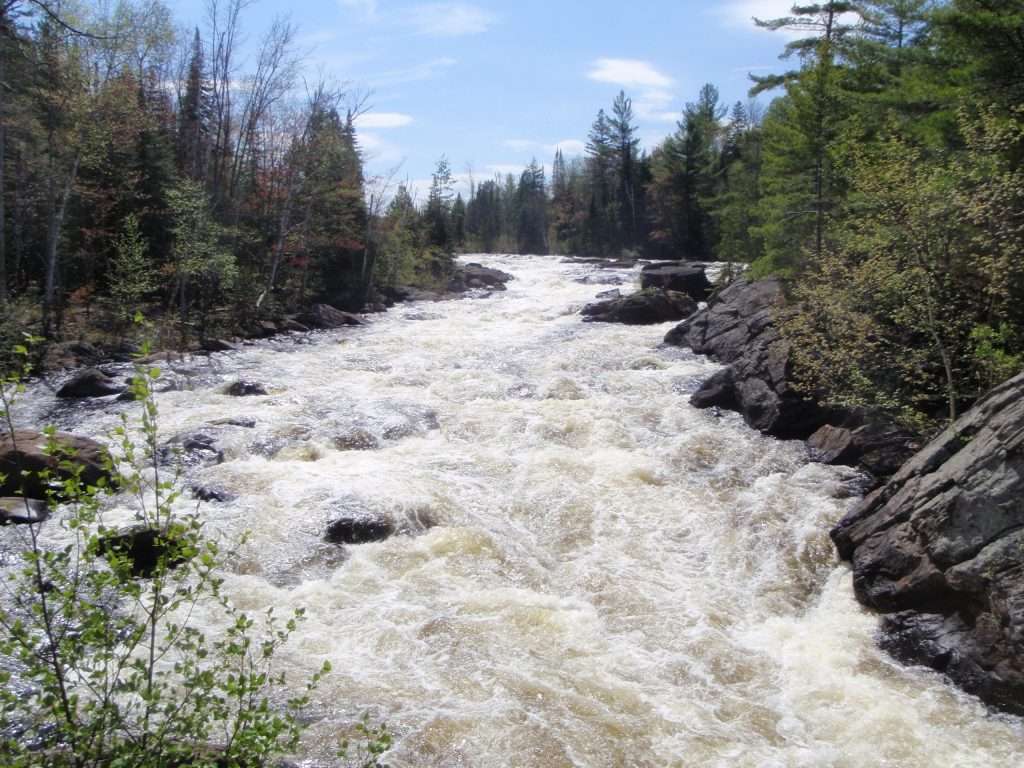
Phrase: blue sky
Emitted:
{"points": [[492, 84]]}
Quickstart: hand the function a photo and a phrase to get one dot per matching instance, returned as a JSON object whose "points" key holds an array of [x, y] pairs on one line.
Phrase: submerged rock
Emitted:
{"points": [[690, 279], [195, 449], [213, 493], [27, 454], [90, 383], [359, 529], [941, 548], [649, 307]]}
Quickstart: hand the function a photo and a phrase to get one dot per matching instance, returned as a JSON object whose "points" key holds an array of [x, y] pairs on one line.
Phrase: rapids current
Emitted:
{"points": [[595, 574]]}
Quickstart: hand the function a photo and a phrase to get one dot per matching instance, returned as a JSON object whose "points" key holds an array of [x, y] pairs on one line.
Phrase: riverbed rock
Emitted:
{"points": [[193, 449], [246, 389], [359, 528], [476, 276], [644, 308], [213, 493], [941, 549], [219, 345], [326, 317], [27, 453], [90, 383], [690, 279], [19, 511]]}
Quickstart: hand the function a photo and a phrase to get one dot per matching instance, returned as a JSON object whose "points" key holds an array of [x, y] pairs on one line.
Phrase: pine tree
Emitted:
{"points": [[193, 151]]}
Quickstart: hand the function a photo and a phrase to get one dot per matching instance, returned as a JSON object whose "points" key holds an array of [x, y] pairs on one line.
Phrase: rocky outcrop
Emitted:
{"points": [[738, 329], [246, 389], [90, 383], [940, 549], [690, 279], [326, 317], [645, 308], [470, 277], [871, 442], [71, 354], [27, 454]]}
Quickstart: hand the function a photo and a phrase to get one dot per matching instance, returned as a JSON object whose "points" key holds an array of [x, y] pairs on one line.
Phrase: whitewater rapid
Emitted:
{"points": [[596, 573]]}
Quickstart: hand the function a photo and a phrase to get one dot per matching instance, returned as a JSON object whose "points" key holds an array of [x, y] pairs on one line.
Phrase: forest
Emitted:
{"points": [[880, 177]]}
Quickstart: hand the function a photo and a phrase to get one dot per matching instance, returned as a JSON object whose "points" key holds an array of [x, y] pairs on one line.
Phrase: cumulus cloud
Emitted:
{"points": [[450, 19], [628, 73], [375, 120]]}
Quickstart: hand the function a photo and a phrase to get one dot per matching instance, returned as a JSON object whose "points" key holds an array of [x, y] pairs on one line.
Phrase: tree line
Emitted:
{"points": [[145, 167], [884, 183]]}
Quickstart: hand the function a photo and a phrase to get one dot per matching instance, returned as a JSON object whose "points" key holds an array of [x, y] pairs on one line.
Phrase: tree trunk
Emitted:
{"points": [[3, 161], [57, 210]]}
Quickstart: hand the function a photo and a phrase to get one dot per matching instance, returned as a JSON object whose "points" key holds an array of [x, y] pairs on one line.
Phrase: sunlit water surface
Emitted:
{"points": [[612, 578]]}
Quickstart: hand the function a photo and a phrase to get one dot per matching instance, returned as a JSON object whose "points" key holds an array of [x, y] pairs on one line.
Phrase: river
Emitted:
{"points": [[596, 574]]}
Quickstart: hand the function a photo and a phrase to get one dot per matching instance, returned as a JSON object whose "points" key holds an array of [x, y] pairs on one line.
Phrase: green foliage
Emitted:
{"points": [[107, 668], [132, 276], [994, 361]]}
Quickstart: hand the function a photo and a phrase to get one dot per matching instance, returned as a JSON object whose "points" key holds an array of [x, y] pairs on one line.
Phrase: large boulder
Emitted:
{"points": [[90, 383], [326, 317], [690, 279], [645, 308], [941, 549], [26, 453], [873, 443], [738, 328], [476, 276]]}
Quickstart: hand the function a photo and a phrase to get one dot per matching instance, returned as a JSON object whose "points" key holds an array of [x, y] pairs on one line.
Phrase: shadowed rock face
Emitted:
{"points": [[645, 308], [941, 549], [690, 279], [90, 383], [738, 329]]}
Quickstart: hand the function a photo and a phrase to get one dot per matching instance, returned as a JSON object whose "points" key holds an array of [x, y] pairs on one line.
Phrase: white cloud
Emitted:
{"points": [[383, 120], [654, 106], [366, 7], [741, 13], [568, 147], [377, 149], [426, 70], [450, 19], [628, 73]]}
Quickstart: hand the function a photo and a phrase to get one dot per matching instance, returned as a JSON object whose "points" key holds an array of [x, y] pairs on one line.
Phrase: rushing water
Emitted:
{"points": [[596, 573]]}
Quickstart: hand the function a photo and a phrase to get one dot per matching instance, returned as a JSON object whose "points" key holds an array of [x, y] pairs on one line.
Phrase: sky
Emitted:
{"points": [[492, 84]]}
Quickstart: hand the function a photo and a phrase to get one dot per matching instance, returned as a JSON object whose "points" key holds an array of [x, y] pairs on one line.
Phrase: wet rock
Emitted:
{"points": [[877, 445], [738, 329], [289, 325], [941, 547], [326, 317], [690, 279], [359, 528], [602, 279], [213, 493], [409, 420], [27, 453], [476, 276], [645, 308], [265, 328], [356, 439], [19, 511], [246, 389], [90, 383], [144, 549], [615, 293], [219, 345], [405, 293], [196, 449]]}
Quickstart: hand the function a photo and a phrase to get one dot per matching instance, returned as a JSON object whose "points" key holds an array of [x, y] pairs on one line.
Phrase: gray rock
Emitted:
{"points": [[27, 454], [213, 493], [738, 329], [19, 511], [326, 317], [645, 308], [690, 279], [194, 449], [476, 276], [877, 446], [90, 383], [360, 528], [942, 546], [245, 389]]}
